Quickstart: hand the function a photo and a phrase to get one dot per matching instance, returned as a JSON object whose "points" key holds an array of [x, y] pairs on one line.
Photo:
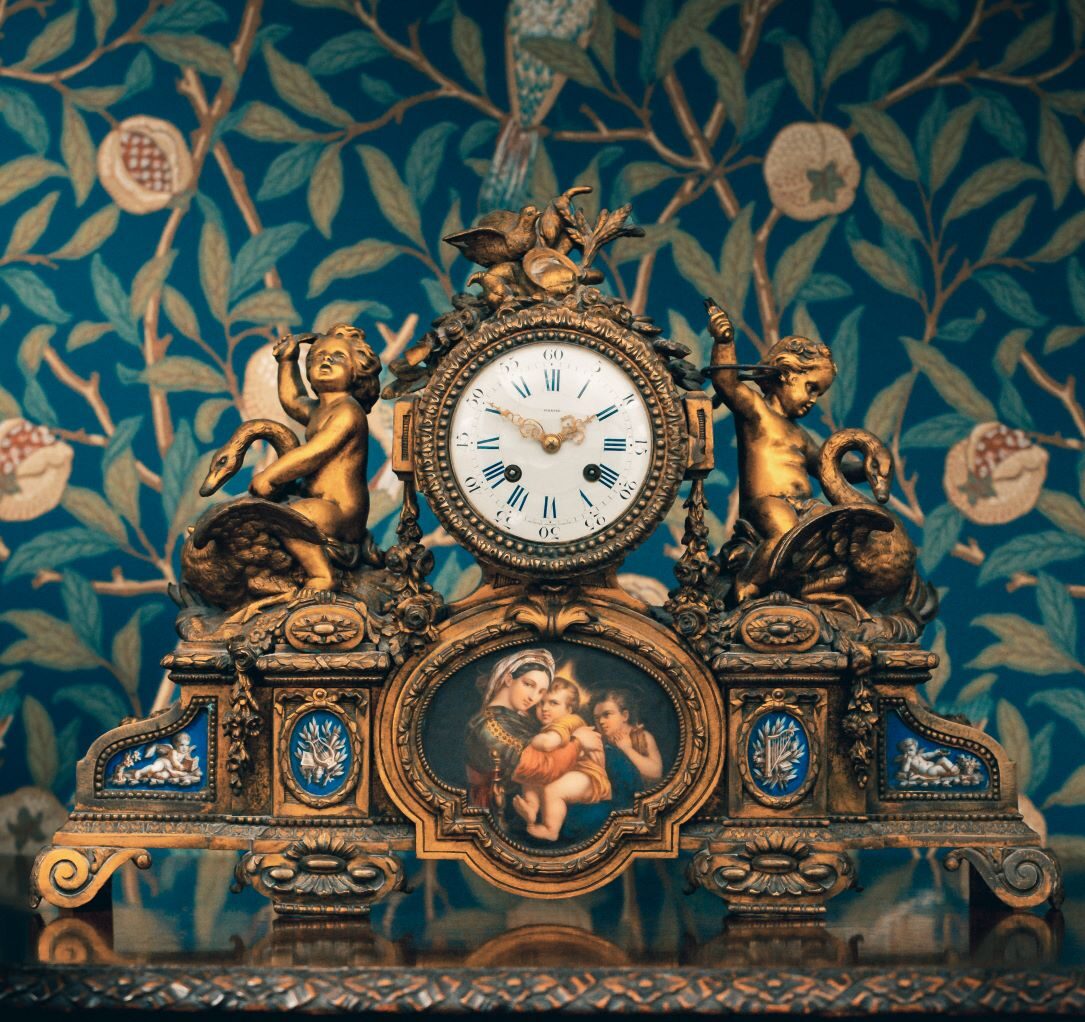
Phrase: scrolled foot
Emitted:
{"points": [[774, 876], [1018, 877], [320, 875], [72, 877]]}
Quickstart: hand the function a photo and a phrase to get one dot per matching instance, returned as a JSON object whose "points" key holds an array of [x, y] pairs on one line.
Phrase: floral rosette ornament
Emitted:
{"points": [[811, 170], [995, 474], [143, 163], [34, 470]]}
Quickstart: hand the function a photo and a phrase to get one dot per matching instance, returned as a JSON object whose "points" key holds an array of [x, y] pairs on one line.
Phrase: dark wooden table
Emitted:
{"points": [[176, 939]]}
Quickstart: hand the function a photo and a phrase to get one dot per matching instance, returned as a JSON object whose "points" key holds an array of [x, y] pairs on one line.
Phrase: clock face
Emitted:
{"points": [[551, 442]]}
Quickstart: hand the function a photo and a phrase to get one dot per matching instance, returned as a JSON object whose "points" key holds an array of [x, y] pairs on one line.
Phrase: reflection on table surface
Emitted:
{"points": [[181, 912]]}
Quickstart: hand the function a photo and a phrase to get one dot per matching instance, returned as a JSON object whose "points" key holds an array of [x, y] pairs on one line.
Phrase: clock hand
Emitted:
{"points": [[573, 428], [530, 429]]}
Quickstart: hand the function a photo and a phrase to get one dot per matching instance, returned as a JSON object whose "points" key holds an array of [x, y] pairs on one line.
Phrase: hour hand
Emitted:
{"points": [[529, 428]]}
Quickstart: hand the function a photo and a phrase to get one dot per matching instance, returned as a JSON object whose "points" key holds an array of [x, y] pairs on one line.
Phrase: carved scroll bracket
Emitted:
{"points": [[72, 877], [1018, 877]]}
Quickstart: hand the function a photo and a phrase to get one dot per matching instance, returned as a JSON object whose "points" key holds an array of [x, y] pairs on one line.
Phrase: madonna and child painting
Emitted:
{"points": [[552, 740]]}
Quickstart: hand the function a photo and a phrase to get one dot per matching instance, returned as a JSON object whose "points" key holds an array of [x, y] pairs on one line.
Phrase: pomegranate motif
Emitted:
{"points": [[811, 170], [260, 391], [143, 163], [34, 469], [995, 474]]}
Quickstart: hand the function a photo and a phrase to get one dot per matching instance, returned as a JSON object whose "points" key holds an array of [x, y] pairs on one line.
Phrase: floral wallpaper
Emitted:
{"points": [[184, 181]]}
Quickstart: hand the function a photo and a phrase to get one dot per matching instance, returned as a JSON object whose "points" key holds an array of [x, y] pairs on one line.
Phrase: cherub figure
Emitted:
{"points": [[917, 764], [617, 720], [776, 457], [544, 807], [344, 373], [176, 763]]}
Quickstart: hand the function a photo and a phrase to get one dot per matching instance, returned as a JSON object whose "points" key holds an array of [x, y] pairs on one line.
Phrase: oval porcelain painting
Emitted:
{"points": [[320, 753], [778, 754], [551, 740]]}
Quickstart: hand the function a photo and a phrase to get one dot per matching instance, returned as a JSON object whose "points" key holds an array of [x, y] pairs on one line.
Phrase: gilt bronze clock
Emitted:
{"points": [[550, 727], [550, 442]]}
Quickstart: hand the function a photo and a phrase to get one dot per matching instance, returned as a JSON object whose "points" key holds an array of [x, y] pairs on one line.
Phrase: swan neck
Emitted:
{"points": [[279, 436], [833, 483]]}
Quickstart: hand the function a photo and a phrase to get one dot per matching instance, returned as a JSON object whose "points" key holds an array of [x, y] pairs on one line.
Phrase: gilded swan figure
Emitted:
{"points": [[235, 552], [852, 553]]}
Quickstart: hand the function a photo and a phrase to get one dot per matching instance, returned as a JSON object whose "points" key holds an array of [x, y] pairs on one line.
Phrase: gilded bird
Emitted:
{"points": [[533, 89], [502, 236]]}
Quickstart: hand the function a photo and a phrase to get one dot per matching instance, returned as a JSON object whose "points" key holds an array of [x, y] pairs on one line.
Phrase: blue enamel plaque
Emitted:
{"points": [[778, 754], [320, 753]]}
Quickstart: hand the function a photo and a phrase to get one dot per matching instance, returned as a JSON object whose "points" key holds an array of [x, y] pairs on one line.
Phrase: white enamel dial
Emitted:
{"points": [[551, 442]]}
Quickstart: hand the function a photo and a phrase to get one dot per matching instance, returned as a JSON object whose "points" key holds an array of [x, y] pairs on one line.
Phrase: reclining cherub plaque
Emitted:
{"points": [[550, 727]]}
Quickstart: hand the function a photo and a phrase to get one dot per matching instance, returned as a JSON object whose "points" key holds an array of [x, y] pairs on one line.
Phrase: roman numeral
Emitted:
{"points": [[550, 507], [607, 476], [606, 413], [587, 499], [584, 388], [553, 379], [521, 387], [491, 443], [518, 498], [495, 474], [614, 443]]}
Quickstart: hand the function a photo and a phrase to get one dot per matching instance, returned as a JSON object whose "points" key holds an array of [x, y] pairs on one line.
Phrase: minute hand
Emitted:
{"points": [[573, 428]]}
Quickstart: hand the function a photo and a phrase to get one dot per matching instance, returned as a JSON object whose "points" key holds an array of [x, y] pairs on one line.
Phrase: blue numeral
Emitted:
{"points": [[518, 498], [553, 379], [521, 387], [607, 476], [495, 474], [587, 499], [584, 388], [550, 507], [606, 413], [491, 443], [614, 443]]}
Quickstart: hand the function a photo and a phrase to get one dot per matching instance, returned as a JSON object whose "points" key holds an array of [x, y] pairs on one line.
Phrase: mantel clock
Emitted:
{"points": [[550, 442], [549, 728]]}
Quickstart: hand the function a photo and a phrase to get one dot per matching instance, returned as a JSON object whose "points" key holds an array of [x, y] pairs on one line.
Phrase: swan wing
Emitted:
{"points": [[237, 518], [823, 538]]}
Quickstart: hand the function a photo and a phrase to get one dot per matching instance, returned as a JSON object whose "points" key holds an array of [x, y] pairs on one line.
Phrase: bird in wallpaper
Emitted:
{"points": [[533, 90]]}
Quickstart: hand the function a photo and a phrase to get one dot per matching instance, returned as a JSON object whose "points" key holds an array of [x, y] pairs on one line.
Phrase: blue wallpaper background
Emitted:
{"points": [[180, 181]]}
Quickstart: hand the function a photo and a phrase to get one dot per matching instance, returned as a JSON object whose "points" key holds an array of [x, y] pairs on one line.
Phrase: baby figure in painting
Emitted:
{"points": [[544, 807], [616, 719], [344, 373], [776, 457]]}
